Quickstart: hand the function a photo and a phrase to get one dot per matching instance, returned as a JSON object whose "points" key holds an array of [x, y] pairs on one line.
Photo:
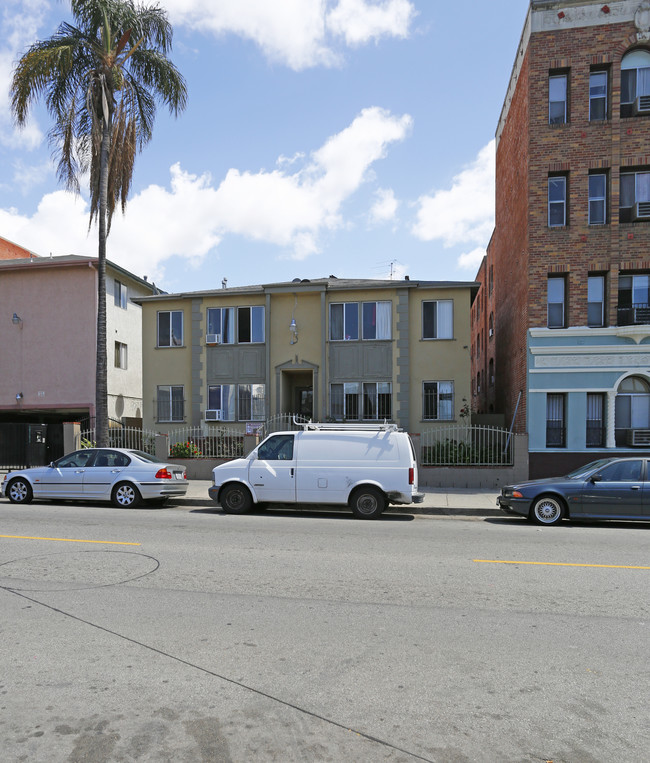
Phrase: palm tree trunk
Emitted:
{"points": [[101, 378]]}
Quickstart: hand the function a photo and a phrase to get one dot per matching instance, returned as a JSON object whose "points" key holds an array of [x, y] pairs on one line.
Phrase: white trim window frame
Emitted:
{"points": [[556, 302], [251, 402], [121, 355], [170, 403], [598, 85], [221, 321], [595, 301], [438, 400], [557, 196], [222, 397], [345, 401], [250, 324], [170, 328], [377, 402], [376, 320], [121, 295], [558, 85], [438, 319], [344, 321], [597, 198]]}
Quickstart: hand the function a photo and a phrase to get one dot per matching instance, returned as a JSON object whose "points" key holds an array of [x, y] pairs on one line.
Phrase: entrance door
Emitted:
{"points": [[304, 403], [273, 473]]}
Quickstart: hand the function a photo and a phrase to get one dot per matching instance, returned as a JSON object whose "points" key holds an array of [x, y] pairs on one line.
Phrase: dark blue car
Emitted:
{"points": [[611, 488]]}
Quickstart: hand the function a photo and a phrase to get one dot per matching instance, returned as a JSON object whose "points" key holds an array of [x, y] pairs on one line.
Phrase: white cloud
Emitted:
{"points": [[385, 208], [20, 24], [464, 214], [472, 260], [297, 33], [190, 217], [27, 176], [359, 21]]}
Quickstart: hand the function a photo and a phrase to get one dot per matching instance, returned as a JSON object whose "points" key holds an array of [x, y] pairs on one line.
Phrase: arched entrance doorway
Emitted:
{"points": [[632, 409]]}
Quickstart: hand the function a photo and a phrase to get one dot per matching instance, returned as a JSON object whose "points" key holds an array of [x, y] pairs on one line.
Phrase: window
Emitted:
{"points": [[595, 420], [344, 321], [121, 295], [595, 301], [597, 199], [555, 427], [597, 95], [376, 317], [633, 300], [170, 328], [557, 201], [438, 402], [221, 397], [252, 401], [491, 279], [632, 408], [623, 471], [221, 321], [635, 195], [171, 403], [277, 448], [372, 399], [438, 319], [555, 303], [635, 81], [250, 324], [491, 372], [491, 326], [120, 355], [557, 99]]}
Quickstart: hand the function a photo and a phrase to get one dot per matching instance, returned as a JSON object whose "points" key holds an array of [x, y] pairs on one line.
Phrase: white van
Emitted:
{"points": [[363, 466]]}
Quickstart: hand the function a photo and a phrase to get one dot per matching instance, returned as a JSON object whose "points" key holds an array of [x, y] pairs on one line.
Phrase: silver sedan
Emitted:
{"points": [[125, 477]]}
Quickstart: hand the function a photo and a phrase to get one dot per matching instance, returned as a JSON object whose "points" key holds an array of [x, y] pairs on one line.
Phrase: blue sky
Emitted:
{"points": [[344, 137]]}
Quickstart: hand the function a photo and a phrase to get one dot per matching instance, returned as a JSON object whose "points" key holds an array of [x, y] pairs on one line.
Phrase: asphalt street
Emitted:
{"points": [[187, 634]]}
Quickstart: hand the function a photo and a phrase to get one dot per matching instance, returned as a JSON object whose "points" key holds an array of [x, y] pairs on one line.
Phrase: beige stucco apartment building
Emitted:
{"points": [[329, 349]]}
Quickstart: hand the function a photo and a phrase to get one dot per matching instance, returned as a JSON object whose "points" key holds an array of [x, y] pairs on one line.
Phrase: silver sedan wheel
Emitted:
{"points": [[19, 491], [547, 510], [126, 495]]}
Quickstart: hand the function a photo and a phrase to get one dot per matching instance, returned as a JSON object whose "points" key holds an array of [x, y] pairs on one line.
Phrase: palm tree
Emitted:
{"points": [[101, 80]]}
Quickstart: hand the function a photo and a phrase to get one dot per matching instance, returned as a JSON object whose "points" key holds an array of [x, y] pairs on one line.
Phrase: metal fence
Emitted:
{"points": [[282, 422], [133, 438], [458, 445], [206, 442]]}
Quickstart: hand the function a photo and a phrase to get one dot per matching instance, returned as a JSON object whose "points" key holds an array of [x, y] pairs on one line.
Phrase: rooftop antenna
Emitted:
{"points": [[224, 283]]}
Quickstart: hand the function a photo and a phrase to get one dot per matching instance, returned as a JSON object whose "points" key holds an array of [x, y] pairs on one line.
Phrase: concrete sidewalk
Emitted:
{"points": [[437, 501]]}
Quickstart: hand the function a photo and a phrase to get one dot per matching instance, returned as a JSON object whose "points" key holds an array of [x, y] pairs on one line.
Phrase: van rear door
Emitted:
{"points": [[272, 473]]}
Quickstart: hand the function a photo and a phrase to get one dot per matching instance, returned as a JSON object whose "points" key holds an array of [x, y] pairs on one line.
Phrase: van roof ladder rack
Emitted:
{"points": [[380, 426]]}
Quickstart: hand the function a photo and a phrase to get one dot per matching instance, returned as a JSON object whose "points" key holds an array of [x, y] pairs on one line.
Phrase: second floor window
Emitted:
{"points": [[635, 82], [344, 321], [221, 323], [597, 199], [250, 324], [120, 355], [121, 295], [557, 200], [376, 317], [438, 319], [170, 328], [556, 303], [557, 99]]}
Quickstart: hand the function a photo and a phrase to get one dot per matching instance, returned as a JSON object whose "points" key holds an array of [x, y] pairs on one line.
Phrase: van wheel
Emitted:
{"points": [[235, 499], [367, 502]]}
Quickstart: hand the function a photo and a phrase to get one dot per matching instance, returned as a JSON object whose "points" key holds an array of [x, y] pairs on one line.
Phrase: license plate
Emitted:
{"points": [[179, 475]]}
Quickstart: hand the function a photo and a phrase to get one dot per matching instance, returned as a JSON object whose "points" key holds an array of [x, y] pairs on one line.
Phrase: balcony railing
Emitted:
{"points": [[633, 315]]}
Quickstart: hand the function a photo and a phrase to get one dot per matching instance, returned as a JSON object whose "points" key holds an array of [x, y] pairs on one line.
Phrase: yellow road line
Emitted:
{"points": [[562, 564], [72, 540]]}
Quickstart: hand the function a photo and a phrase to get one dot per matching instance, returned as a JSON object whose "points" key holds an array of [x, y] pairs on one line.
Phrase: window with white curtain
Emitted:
{"points": [[438, 400], [555, 421], [595, 420], [376, 320], [438, 319]]}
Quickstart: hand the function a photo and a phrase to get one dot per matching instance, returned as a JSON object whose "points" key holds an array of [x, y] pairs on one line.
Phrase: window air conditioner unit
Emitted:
{"points": [[213, 339], [638, 438], [641, 210], [213, 415], [491, 332], [642, 104]]}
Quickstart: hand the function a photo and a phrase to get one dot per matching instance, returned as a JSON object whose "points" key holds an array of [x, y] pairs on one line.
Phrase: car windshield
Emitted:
{"points": [[144, 456], [582, 471]]}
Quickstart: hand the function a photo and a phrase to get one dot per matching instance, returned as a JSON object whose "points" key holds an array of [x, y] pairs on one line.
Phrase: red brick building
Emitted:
{"points": [[11, 251], [563, 311]]}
